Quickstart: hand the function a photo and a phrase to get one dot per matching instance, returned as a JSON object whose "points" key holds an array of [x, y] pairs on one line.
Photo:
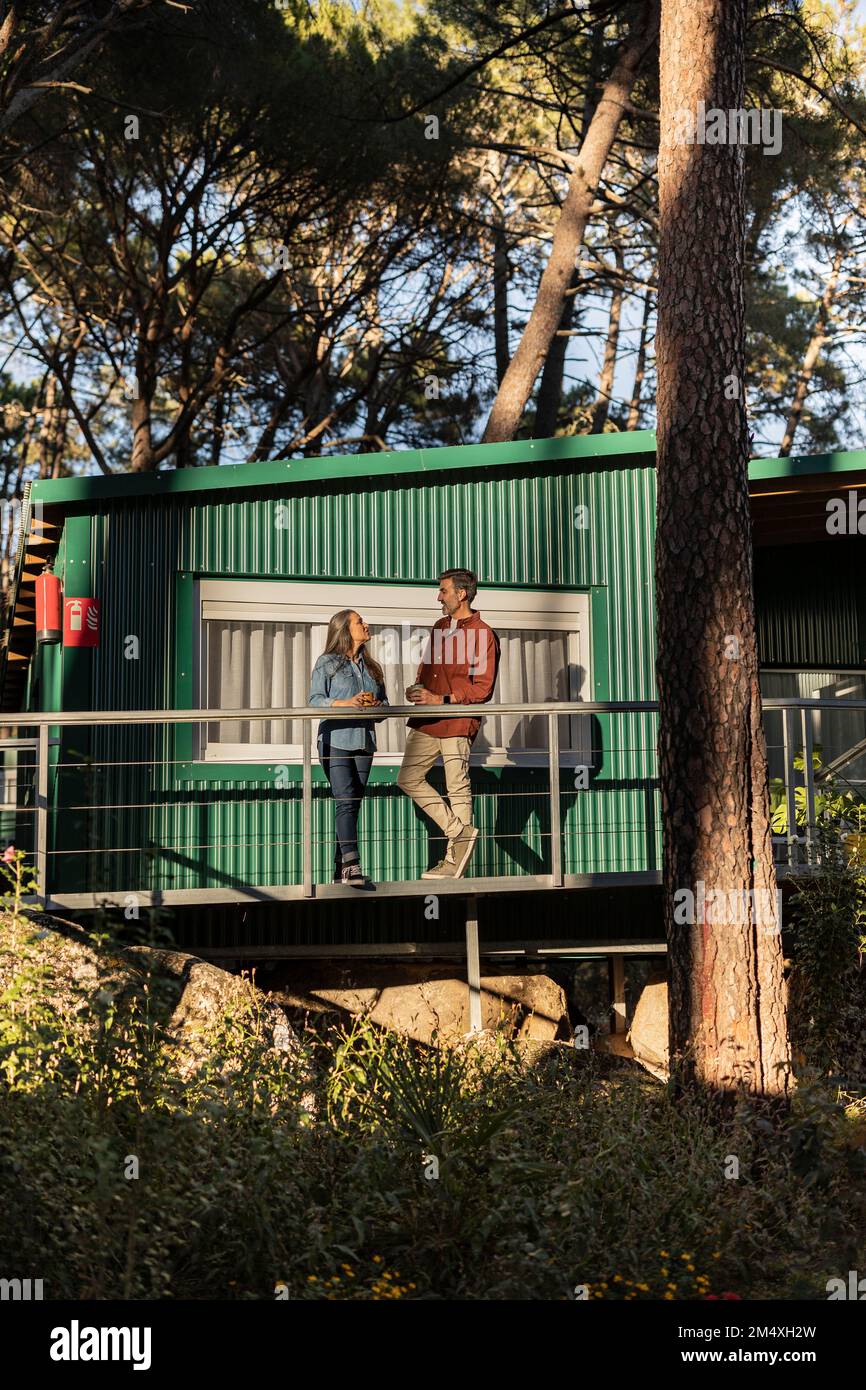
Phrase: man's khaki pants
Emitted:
{"points": [[421, 753]]}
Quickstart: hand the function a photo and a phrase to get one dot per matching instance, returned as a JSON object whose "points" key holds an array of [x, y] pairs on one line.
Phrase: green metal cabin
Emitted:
{"points": [[215, 585]]}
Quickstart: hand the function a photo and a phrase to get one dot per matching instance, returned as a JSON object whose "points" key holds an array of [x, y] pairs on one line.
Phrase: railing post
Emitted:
{"points": [[307, 808], [809, 773], [555, 827], [790, 776], [42, 816]]}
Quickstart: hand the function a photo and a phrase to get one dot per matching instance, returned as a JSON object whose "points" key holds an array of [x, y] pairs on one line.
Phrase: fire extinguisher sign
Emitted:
{"points": [[81, 622]]}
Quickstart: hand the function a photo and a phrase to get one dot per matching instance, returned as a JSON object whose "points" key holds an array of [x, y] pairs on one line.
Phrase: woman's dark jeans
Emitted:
{"points": [[347, 774]]}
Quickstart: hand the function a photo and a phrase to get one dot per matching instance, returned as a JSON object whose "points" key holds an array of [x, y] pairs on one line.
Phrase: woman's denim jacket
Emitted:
{"points": [[337, 678]]}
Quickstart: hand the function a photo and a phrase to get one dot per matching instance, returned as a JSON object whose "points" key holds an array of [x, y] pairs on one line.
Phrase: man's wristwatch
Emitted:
{"points": [[446, 699]]}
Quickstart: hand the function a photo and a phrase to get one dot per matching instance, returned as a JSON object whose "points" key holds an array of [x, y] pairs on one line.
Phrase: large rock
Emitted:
{"points": [[648, 1035], [191, 995], [523, 1006], [205, 994]]}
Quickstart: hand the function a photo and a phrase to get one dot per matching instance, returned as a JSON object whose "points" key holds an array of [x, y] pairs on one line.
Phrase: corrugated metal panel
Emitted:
{"points": [[515, 529], [811, 603], [581, 915]]}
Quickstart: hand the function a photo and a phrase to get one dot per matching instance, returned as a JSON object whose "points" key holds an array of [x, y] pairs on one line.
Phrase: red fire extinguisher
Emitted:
{"points": [[49, 607]]}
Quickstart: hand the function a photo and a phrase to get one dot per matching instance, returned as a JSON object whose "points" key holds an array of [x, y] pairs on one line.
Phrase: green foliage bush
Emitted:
{"points": [[827, 926]]}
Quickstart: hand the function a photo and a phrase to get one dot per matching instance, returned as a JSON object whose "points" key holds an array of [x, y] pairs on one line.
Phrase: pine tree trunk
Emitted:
{"points": [[601, 409], [553, 374], [142, 442], [550, 388], [727, 992], [546, 314], [633, 421], [500, 302]]}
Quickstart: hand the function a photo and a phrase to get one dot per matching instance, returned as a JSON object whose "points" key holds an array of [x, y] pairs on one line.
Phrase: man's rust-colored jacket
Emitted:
{"points": [[462, 663]]}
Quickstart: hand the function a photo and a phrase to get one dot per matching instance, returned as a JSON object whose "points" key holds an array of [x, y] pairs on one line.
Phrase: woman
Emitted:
{"points": [[344, 676]]}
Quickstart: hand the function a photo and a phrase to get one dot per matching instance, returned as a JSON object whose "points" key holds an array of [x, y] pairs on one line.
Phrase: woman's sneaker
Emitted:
{"points": [[353, 876]]}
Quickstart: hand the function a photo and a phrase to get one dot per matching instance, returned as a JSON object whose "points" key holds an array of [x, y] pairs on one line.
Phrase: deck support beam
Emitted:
{"points": [[473, 964], [616, 974]]}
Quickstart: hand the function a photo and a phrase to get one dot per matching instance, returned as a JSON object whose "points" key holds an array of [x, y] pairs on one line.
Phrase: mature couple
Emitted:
{"points": [[459, 667]]}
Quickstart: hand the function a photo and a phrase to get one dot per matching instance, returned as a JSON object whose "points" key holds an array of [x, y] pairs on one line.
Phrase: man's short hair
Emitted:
{"points": [[463, 579]]}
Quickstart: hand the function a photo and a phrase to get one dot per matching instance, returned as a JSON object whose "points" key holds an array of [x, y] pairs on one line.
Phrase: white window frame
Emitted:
{"points": [[308, 601]]}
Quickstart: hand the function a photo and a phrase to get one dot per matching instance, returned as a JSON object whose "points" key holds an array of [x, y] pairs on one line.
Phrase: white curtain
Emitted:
{"points": [[533, 668], [397, 652], [260, 665], [250, 665]]}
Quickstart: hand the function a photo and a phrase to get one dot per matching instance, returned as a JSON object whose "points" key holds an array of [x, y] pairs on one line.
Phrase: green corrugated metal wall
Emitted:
{"points": [[811, 605], [526, 919], [515, 527]]}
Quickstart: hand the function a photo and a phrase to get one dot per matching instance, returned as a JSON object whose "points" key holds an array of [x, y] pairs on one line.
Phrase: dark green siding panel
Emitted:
{"points": [[516, 528], [811, 605]]}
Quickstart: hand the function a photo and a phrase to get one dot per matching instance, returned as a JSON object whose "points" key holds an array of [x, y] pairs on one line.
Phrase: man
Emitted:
{"points": [[459, 667]]}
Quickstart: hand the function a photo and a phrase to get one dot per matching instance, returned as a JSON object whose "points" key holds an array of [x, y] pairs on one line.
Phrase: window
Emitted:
{"points": [[258, 641]]}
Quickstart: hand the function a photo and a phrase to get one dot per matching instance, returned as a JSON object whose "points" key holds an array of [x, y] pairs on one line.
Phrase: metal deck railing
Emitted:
{"points": [[794, 850]]}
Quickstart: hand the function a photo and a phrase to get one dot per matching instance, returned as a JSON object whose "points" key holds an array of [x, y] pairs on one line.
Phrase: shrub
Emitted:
{"points": [[312, 1175]]}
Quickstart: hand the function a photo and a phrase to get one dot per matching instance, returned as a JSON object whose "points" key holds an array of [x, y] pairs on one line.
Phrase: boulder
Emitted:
{"points": [[648, 1035], [190, 995], [527, 1007], [205, 994]]}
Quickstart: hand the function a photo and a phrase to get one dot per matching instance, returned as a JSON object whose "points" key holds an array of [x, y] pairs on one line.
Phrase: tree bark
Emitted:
{"points": [[500, 303], [553, 373], [54, 425], [633, 421], [546, 314], [601, 409], [142, 438], [812, 353], [143, 453], [550, 390], [727, 992]]}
